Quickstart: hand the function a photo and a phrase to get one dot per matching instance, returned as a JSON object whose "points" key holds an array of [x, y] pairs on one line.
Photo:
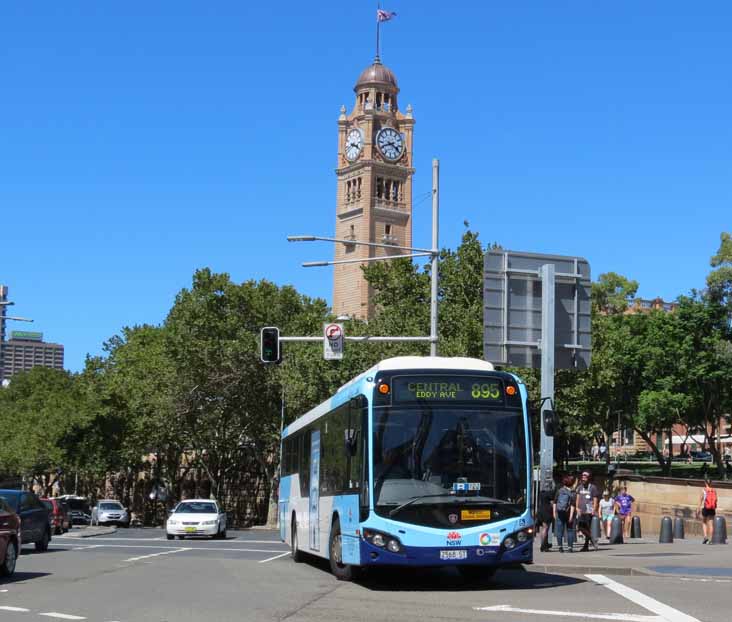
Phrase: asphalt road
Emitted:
{"points": [[137, 575]]}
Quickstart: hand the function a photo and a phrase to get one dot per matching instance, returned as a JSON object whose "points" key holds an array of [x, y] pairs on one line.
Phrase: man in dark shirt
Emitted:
{"points": [[588, 500]]}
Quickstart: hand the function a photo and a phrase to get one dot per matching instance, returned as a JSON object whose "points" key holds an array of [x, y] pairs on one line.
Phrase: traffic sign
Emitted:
{"points": [[333, 339]]}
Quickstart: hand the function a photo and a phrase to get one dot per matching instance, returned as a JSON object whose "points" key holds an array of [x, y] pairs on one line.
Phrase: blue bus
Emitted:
{"points": [[419, 461]]}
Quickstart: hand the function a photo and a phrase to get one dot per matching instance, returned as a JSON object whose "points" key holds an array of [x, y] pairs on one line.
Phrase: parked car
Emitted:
{"points": [[59, 515], [78, 508], [9, 538], [196, 517], [34, 524], [109, 511]]}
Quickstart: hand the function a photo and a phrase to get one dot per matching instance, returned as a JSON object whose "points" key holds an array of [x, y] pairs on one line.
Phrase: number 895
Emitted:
{"points": [[485, 391]]}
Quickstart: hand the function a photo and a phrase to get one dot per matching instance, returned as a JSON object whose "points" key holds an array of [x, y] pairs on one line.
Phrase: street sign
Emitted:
{"points": [[512, 316], [333, 339]]}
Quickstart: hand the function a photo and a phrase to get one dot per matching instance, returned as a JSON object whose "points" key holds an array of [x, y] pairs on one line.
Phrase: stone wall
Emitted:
{"points": [[658, 497]]}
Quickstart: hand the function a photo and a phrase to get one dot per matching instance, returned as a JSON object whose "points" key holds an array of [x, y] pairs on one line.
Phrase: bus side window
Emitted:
{"points": [[304, 467]]}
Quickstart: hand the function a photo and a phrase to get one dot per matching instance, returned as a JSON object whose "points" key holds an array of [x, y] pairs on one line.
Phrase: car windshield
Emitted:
{"points": [[11, 500], [435, 452], [196, 507], [80, 505], [110, 506]]}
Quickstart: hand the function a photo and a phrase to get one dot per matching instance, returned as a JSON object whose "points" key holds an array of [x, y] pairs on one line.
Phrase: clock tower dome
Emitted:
{"points": [[374, 192]]}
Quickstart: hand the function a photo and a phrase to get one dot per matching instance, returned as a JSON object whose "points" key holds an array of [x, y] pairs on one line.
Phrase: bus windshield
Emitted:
{"points": [[477, 455]]}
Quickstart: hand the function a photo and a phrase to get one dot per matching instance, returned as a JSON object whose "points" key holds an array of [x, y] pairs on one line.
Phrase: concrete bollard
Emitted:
{"points": [[635, 528], [678, 528], [666, 534], [719, 535], [596, 528], [616, 531]]}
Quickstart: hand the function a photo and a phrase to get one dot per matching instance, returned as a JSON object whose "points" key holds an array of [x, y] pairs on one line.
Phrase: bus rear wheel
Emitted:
{"points": [[341, 571], [295, 552]]}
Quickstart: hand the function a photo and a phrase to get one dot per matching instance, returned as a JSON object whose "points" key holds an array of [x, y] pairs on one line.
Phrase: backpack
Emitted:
{"points": [[710, 499], [564, 499]]}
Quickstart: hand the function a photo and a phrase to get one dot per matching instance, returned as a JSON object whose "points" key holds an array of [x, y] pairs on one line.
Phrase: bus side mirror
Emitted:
{"points": [[549, 422]]}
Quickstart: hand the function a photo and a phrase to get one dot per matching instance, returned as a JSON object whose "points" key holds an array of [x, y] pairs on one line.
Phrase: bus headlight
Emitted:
{"points": [[522, 536], [393, 546], [378, 540], [509, 543]]}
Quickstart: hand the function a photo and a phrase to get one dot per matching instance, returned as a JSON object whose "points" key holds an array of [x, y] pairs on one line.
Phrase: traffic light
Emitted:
{"points": [[270, 344]]}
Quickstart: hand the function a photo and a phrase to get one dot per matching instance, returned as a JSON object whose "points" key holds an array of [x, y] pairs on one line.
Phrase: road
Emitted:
{"points": [[137, 575]]}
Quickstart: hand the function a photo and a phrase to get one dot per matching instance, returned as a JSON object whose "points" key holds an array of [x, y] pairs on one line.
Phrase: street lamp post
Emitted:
{"points": [[433, 253]]}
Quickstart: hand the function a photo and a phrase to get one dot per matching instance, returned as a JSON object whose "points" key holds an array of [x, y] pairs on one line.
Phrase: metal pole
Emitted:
{"points": [[435, 254], [547, 373]]}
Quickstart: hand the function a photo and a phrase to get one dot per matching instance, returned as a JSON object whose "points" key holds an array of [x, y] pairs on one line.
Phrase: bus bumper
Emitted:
{"points": [[424, 556]]}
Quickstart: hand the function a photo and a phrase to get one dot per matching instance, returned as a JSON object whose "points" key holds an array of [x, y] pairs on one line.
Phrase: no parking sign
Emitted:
{"points": [[333, 339]]}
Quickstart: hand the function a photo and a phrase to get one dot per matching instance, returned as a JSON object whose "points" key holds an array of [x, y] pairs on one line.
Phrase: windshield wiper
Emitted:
{"points": [[399, 508]]}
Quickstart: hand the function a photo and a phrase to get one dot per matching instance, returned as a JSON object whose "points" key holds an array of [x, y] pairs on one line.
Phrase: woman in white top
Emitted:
{"points": [[607, 511]]}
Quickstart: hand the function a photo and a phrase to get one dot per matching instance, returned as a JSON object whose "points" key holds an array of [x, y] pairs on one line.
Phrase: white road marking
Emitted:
{"points": [[3, 591], [168, 552], [88, 546], [103, 539], [705, 580], [61, 616], [21, 609], [269, 559], [666, 613], [624, 617], [192, 548]]}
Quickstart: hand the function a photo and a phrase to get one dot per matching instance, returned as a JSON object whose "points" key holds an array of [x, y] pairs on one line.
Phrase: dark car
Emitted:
{"points": [[34, 525], [78, 509], [59, 516], [9, 539], [701, 456]]}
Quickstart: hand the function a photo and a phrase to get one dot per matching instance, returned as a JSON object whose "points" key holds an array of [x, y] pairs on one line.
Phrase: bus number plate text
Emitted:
{"points": [[453, 554]]}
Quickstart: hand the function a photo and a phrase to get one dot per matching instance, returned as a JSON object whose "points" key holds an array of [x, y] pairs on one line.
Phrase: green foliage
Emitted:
{"points": [[612, 293]]}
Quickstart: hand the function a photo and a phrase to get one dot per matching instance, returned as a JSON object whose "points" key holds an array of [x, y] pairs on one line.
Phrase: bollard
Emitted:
{"points": [[596, 528], [666, 534], [678, 528], [719, 535], [635, 528], [616, 531]]}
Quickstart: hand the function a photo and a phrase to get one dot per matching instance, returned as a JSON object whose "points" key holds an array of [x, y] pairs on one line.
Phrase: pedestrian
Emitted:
{"points": [[587, 504], [564, 511], [624, 507], [707, 509], [545, 517], [603, 450], [607, 511], [595, 451]]}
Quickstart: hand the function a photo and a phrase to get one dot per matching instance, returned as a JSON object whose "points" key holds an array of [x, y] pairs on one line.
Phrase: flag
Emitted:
{"points": [[384, 16]]}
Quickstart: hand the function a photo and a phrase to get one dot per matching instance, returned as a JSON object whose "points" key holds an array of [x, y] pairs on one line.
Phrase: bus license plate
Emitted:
{"points": [[452, 554]]}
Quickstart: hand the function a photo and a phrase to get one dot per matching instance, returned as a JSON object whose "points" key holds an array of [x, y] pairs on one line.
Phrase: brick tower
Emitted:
{"points": [[374, 193]]}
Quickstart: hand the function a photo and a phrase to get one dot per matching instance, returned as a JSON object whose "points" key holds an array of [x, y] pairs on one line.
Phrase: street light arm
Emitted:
{"points": [[312, 238], [17, 319], [315, 264]]}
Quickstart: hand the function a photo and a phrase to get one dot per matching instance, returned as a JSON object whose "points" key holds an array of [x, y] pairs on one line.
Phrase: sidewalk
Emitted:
{"points": [[644, 556]]}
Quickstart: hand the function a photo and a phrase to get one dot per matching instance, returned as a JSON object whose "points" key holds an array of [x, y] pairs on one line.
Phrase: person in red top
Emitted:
{"points": [[707, 509]]}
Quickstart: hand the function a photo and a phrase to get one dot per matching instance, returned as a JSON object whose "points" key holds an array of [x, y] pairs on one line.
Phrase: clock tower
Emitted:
{"points": [[374, 192]]}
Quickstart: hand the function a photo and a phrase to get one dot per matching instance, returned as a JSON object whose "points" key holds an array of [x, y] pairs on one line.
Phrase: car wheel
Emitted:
{"points": [[223, 534], [126, 525], [341, 571], [42, 544], [11, 556], [295, 552], [169, 536]]}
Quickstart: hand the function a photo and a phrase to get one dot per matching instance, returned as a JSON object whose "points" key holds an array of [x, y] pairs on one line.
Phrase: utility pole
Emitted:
{"points": [[4, 303], [435, 254]]}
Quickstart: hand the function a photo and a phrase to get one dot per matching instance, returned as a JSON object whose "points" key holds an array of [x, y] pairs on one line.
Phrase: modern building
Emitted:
{"points": [[374, 184], [25, 350]]}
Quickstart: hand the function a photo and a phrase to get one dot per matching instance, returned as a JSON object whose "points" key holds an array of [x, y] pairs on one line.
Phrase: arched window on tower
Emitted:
{"points": [[379, 187], [358, 188], [351, 236], [387, 189], [395, 188]]}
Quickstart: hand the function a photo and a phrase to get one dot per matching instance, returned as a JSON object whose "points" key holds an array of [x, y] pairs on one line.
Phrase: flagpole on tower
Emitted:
{"points": [[378, 24]]}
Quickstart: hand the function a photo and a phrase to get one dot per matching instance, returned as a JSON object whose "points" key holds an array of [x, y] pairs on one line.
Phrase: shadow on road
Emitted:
{"points": [[23, 576], [28, 550]]}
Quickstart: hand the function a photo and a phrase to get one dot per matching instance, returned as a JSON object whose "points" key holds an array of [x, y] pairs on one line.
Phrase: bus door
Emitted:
{"points": [[314, 506]]}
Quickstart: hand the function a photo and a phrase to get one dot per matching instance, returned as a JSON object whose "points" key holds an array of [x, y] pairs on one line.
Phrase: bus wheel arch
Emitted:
{"points": [[341, 571]]}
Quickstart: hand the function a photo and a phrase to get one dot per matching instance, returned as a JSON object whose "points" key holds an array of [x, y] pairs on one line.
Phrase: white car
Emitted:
{"points": [[196, 517]]}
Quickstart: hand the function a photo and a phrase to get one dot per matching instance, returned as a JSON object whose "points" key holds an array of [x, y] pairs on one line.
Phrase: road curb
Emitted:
{"points": [[575, 570], [97, 531]]}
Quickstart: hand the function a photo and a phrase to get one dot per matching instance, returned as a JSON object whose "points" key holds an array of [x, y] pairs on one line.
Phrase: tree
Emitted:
{"points": [[719, 280]]}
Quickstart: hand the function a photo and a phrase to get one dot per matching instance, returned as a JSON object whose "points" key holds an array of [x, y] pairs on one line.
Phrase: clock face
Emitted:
{"points": [[354, 144], [390, 143]]}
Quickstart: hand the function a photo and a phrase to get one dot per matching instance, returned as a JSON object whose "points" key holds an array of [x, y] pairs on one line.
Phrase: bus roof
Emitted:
{"points": [[392, 364]]}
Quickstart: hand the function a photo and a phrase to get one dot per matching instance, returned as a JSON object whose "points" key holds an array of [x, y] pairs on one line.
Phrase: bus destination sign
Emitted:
{"points": [[410, 389]]}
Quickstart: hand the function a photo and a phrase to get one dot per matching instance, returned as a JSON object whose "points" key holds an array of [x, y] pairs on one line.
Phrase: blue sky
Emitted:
{"points": [[140, 141]]}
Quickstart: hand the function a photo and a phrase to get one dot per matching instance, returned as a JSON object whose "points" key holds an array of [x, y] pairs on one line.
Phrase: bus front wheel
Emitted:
{"points": [[341, 571], [295, 552]]}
